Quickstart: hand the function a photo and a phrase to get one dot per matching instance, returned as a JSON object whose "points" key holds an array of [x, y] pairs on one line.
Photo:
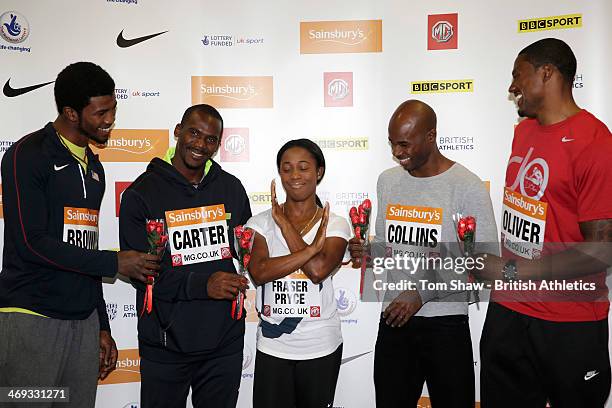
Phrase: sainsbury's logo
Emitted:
{"points": [[233, 91], [128, 368], [133, 145], [327, 37]]}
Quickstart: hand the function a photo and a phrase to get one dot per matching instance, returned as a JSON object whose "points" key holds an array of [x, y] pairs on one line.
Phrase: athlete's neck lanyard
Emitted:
{"points": [[82, 160]]}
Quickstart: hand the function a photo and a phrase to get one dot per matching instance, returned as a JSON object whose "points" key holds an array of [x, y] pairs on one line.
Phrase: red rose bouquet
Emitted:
{"points": [[466, 235], [157, 239], [466, 232], [244, 243]]}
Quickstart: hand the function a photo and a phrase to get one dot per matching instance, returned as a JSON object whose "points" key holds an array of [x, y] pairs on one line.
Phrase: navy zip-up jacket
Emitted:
{"points": [[185, 323], [50, 262]]}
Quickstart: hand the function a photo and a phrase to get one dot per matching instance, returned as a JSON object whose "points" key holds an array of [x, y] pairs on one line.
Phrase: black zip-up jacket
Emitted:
{"points": [[41, 272], [185, 323]]}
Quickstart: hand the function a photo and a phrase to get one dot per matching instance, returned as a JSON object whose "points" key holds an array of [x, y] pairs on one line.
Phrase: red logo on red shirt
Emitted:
{"points": [[120, 187], [532, 176], [442, 31]]}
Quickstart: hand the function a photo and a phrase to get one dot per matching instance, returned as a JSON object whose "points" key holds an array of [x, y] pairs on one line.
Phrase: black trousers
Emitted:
{"points": [[436, 350], [214, 381], [527, 361], [281, 383]]}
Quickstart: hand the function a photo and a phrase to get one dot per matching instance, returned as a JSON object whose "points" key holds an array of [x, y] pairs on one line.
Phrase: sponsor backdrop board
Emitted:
{"points": [[329, 71]]}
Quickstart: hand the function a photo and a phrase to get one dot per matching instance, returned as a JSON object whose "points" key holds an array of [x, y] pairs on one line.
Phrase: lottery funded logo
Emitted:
{"points": [[418, 228], [81, 227], [14, 27], [523, 224], [345, 301], [198, 235]]}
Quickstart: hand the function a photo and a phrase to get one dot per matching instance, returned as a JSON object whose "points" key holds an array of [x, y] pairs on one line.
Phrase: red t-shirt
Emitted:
{"points": [[557, 177]]}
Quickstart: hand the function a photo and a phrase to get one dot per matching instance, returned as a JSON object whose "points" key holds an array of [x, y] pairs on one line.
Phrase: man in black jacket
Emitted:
{"points": [[189, 339], [55, 330]]}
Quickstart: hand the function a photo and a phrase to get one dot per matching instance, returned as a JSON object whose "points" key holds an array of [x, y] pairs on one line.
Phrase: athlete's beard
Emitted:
{"points": [[91, 135]]}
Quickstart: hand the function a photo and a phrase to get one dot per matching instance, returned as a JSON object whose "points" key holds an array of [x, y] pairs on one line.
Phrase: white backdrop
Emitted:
{"points": [[337, 88]]}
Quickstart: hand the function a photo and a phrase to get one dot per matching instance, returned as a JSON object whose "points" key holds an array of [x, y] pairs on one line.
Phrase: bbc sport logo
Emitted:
{"points": [[550, 23]]}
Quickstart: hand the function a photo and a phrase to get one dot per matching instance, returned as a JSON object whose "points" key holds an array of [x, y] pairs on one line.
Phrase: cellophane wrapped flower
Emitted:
{"points": [[244, 244], [157, 239], [360, 220]]}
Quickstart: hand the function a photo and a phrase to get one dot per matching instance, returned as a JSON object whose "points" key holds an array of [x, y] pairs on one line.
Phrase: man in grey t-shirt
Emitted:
{"points": [[424, 334]]}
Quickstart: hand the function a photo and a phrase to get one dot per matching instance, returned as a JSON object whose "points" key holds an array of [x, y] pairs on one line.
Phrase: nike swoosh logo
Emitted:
{"points": [[58, 168], [346, 360], [590, 375], [564, 139], [124, 43], [11, 92]]}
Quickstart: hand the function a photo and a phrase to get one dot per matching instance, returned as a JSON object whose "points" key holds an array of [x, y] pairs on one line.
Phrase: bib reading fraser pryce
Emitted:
{"points": [[413, 231], [523, 224], [293, 296], [198, 235], [81, 227]]}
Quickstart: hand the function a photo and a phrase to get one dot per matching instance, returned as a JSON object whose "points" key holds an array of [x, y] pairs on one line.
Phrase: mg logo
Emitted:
{"points": [[235, 145], [442, 31], [338, 89]]}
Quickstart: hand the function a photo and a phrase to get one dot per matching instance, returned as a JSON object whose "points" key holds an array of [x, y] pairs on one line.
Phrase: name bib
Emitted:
{"points": [[197, 235], [293, 296], [81, 227], [413, 231], [523, 224]]}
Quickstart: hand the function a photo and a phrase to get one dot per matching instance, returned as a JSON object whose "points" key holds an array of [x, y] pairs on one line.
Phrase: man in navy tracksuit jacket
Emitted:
{"points": [[53, 322], [189, 338]]}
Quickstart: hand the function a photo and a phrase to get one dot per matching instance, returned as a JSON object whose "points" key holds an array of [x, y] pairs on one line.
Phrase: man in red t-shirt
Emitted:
{"points": [[546, 332]]}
